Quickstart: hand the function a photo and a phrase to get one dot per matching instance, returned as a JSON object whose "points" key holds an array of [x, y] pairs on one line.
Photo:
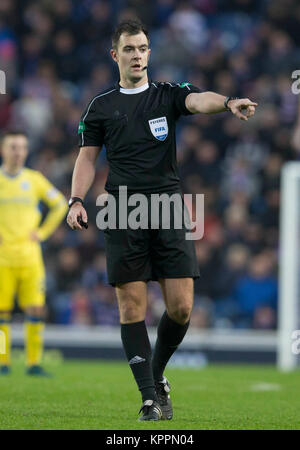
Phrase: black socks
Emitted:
{"points": [[169, 335], [138, 351]]}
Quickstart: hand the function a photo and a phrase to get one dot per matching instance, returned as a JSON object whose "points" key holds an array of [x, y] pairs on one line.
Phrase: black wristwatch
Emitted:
{"points": [[227, 99], [74, 200]]}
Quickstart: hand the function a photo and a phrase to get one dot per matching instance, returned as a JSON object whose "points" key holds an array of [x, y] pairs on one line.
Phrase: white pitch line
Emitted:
{"points": [[263, 387]]}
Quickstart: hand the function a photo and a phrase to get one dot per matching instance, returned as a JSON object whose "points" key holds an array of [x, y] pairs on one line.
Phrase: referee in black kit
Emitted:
{"points": [[136, 120]]}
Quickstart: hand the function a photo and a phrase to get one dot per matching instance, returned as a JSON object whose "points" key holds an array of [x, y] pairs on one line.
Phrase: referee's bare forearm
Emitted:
{"points": [[205, 102], [84, 171]]}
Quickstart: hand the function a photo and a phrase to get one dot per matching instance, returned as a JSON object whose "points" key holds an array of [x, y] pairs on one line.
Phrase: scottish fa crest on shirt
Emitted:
{"points": [[159, 128]]}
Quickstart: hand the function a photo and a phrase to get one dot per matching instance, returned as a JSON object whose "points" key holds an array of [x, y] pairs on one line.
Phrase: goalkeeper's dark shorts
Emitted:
{"points": [[149, 254]]}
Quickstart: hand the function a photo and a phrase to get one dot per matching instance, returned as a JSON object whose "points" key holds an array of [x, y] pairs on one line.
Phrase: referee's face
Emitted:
{"points": [[14, 151], [132, 56]]}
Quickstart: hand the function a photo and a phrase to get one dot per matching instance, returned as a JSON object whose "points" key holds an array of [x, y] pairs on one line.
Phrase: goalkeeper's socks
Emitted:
{"points": [[5, 338], [169, 335], [138, 351], [34, 327]]}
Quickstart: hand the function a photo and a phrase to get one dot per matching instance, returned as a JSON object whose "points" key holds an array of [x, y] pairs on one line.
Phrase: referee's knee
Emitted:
{"points": [[131, 312], [181, 313]]}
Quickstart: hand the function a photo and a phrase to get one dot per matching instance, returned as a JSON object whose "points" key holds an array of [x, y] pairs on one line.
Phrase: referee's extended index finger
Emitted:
{"points": [[249, 103]]}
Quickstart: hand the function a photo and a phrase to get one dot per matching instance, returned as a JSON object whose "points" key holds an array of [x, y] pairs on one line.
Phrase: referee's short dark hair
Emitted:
{"points": [[130, 27]]}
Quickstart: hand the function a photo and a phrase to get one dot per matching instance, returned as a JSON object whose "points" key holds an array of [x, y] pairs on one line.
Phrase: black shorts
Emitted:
{"points": [[149, 254]]}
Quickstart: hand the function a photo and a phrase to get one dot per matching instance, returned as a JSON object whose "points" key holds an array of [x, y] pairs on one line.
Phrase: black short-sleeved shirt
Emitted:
{"points": [[138, 130]]}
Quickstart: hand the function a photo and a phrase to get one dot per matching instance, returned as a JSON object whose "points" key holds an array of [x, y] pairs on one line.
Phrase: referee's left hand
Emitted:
{"points": [[242, 108]]}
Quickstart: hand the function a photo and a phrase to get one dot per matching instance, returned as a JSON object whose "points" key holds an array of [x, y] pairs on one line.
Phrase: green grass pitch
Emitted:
{"points": [[98, 395]]}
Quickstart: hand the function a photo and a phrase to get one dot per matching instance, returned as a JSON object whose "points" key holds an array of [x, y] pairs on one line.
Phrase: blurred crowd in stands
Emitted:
{"points": [[55, 54]]}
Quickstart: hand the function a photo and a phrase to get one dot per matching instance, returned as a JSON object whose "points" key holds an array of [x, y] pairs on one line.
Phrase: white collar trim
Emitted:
{"points": [[135, 90]]}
